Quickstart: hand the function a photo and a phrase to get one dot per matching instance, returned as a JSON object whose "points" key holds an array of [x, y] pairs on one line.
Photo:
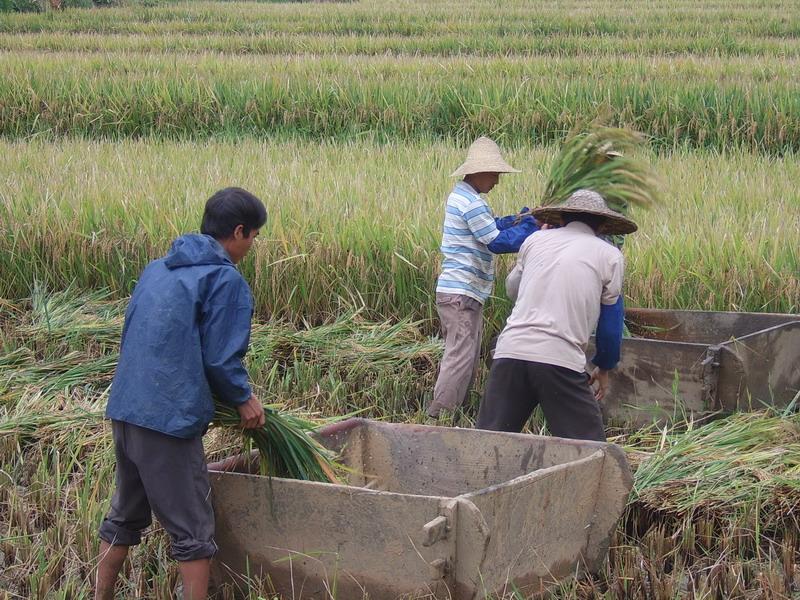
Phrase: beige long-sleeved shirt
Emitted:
{"points": [[560, 279]]}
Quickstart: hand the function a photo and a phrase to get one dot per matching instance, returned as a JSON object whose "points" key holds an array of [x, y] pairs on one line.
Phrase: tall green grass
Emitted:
{"points": [[550, 18], [358, 224], [702, 103]]}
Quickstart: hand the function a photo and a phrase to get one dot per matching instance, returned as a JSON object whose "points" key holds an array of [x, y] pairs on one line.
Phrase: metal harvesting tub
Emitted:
{"points": [[697, 362], [427, 512]]}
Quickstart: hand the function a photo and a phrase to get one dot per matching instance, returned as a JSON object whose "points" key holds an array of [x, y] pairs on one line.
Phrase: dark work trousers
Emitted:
{"points": [[516, 387], [165, 475]]}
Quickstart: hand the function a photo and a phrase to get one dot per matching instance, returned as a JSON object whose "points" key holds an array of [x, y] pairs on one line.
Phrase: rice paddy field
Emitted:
{"points": [[347, 118]]}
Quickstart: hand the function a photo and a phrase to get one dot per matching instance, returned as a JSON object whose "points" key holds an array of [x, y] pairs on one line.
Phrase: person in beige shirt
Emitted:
{"points": [[566, 281]]}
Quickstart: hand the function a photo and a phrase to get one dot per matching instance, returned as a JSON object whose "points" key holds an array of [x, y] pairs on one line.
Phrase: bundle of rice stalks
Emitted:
{"points": [[45, 426], [743, 471], [599, 159], [284, 445], [66, 372]]}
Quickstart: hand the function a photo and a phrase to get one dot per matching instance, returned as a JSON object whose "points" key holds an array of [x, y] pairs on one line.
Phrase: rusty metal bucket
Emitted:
{"points": [[427, 512], [694, 363]]}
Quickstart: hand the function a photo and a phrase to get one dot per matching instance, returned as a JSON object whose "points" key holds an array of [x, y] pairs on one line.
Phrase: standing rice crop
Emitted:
{"points": [[700, 103], [724, 238]]}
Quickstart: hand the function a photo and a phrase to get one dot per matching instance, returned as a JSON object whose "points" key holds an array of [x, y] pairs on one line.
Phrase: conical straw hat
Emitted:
{"points": [[484, 156], [590, 202]]}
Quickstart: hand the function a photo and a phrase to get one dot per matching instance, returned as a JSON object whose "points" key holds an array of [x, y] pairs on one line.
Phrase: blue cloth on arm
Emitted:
{"points": [[504, 223], [608, 337], [186, 331], [510, 239]]}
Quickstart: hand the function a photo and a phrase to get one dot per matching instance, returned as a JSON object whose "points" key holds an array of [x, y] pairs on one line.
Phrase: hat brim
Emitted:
{"points": [[471, 168], [614, 223]]}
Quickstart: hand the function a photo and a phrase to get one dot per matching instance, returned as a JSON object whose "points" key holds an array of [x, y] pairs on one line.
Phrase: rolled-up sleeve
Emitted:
{"points": [[513, 280], [225, 336]]}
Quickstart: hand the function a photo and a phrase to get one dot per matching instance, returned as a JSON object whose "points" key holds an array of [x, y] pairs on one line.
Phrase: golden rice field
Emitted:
{"points": [[346, 118], [357, 224]]}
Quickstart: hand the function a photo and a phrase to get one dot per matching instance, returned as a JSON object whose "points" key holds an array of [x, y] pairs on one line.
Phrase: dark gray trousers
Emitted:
{"points": [[516, 387], [168, 476]]}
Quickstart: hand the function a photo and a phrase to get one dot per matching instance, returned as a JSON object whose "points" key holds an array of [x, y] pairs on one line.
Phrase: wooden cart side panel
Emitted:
{"points": [[704, 327], [616, 482], [654, 380], [447, 461], [311, 539], [472, 545], [539, 526], [349, 440], [771, 363], [731, 392]]}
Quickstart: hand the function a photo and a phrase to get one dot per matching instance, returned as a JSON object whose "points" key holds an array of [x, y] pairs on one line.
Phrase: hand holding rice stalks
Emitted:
{"points": [[284, 445]]}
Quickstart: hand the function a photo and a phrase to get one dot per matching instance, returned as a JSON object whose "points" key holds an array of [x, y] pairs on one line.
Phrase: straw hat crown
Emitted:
{"points": [[588, 202], [484, 156]]}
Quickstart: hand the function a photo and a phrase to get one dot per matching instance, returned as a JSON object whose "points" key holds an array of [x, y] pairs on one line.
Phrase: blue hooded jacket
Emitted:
{"points": [[186, 332]]}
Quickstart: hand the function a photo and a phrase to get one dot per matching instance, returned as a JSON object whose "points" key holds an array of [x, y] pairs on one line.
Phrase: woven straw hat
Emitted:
{"points": [[589, 202], [484, 156]]}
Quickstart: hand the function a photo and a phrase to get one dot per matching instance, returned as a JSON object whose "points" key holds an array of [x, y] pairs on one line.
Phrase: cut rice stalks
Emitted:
{"points": [[740, 475], [600, 159], [284, 445], [47, 385]]}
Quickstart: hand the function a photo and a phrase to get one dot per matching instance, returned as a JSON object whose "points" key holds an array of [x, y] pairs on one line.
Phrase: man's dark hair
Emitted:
{"points": [[231, 207], [592, 220]]}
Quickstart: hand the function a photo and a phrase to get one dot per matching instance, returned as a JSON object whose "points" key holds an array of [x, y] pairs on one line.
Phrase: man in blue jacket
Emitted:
{"points": [[566, 281], [471, 236], [186, 332]]}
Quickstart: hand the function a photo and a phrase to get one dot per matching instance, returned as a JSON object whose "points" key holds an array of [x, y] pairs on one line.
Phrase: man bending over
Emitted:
{"points": [[566, 281]]}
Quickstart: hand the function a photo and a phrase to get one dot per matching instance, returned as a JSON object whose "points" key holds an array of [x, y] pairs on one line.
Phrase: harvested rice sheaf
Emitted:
{"points": [[600, 159], [743, 470], [284, 445]]}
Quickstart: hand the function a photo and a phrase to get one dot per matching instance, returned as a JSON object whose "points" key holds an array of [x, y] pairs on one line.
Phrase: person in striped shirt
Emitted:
{"points": [[471, 236]]}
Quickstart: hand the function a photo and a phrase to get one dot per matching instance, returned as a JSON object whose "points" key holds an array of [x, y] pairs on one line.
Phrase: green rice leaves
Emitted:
{"points": [[601, 159], [285, 447]]}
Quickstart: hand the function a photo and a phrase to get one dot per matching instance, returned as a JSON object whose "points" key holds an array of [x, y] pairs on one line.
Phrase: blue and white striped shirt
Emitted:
{"points": [[469, 227]]}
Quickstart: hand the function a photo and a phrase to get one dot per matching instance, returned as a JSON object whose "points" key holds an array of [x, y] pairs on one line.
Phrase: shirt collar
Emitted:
{"points": [[581, 227], [464, 186]]}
